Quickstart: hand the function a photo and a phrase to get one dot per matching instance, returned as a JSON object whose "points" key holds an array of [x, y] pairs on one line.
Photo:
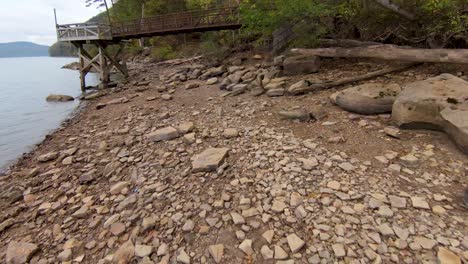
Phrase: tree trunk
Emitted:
{"points": [[141, 41], [392, 53], [395, 8]]}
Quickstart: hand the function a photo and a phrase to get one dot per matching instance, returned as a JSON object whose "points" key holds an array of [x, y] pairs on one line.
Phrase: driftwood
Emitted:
{"points": [[327, 85], [392, 53], [346, 43], [179, 61]]}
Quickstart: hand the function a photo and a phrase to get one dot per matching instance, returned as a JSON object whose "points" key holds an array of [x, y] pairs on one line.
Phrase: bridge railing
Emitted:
{"points": [[84, 31], [216, 17]]}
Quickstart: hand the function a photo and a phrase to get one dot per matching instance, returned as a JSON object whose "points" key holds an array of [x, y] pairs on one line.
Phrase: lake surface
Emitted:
{"points": [[25, 116]]}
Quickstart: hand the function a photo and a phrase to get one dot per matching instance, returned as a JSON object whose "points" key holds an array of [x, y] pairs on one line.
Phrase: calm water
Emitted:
{"points": [[25, 116]]}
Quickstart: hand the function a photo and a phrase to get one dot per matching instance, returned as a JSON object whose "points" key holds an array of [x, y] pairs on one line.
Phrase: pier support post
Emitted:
{"points": [[82, 72], [103, 63]]}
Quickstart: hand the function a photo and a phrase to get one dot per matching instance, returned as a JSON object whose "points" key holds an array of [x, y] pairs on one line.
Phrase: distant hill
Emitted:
{"points": [[23, 49]]}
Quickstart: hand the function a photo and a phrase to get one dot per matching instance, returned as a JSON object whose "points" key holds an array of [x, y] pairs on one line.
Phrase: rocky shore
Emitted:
{"points": [[169, 168]]}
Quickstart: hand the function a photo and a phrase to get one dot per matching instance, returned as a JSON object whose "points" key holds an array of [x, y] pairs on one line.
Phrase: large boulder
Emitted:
{"points": [[439, 103], [370, 98], [301, 65]]}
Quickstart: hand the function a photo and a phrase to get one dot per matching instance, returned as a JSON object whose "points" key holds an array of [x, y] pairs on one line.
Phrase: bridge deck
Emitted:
{"points": [[186, 22]]}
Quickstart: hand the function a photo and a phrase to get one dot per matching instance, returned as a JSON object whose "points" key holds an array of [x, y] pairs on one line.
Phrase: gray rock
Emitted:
{"points": [[275, 92], [125, 253], [371, 98], [438, 103], [209, 160], [217, 252], [163, 134], [300, 114], [48, 157], [301, 65]]}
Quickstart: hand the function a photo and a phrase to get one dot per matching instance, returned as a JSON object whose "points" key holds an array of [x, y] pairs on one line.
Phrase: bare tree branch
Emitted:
{"points": [[395, 8]]}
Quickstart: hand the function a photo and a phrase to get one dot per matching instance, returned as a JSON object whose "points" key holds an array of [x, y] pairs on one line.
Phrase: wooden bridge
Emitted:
{"points": [[102, 35]]}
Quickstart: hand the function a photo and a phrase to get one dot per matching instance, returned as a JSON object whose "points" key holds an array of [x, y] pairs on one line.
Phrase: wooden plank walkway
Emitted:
{"points": [[215, 19]]}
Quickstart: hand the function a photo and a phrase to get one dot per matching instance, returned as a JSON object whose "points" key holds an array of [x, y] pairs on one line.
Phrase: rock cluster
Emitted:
{"points": [[202, 178]]}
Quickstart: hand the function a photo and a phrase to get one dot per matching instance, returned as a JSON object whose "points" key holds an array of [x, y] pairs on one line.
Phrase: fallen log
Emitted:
{"points": [[346, 43], [326, 85], [392, 53], [179, 61]]}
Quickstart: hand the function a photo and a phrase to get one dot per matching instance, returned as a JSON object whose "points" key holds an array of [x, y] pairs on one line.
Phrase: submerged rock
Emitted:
{"points": [[59, 98]]}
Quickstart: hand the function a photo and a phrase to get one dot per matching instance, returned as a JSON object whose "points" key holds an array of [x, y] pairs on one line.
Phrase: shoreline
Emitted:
{"points": [[124, 174], [79, 109]]}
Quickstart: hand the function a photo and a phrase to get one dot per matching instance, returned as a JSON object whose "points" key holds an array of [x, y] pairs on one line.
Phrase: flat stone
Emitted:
{"points": [[339, 250], [117, 229], [275, 92], [397, 202], [118, 187], [266, 252], [295, 243], [385, 230], [410, 161], [268, 235], [183, 257], [162, 250], [217, 252], [424, 242], [125, 253], [237, 218], [163, 134], [278, 206], [385, 211], [166, 97], [148, 223], [20, 252], [446, 256], [209, 160], [420, 203], [246, 247], [334, 185], [280, 253], [295, 199], [438, 209], [346, 166], [48, 157], [65, 255], [230, 133], [369, 98], [82, 212], [186, 127], [188, 226], [212, 81], [309, 164], [143, 250]]}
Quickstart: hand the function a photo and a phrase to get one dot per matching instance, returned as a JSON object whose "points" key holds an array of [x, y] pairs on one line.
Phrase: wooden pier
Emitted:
{"points": [[102, 35]]}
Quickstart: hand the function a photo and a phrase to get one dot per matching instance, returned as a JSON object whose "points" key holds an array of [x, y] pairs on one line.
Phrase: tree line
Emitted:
{"points": [[419, 23]]}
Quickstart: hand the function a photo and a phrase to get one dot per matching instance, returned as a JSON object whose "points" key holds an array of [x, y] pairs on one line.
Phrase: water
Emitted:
{"points": [[25, 116]]}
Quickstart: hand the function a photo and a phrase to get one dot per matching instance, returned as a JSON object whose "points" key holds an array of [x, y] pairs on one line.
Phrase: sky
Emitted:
{"points": [[33, 20]]}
